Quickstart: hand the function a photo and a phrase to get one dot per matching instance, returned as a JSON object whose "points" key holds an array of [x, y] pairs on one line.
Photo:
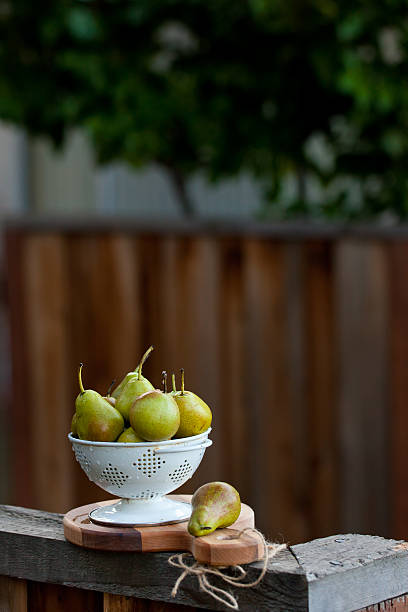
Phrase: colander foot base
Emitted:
{"points": [[142, 512]]}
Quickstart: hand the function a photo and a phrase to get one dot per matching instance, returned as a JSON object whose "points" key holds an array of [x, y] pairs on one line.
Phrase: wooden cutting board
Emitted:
{"points": [[222, 547]]}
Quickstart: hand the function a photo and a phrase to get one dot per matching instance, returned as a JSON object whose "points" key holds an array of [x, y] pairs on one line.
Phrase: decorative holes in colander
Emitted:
{"points": [[82, 459], [114, 476], [149, 463], [147, 494], [181, 472]]}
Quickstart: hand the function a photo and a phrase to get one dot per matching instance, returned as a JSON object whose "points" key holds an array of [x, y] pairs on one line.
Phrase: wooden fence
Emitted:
{"points": [[298, 342]]}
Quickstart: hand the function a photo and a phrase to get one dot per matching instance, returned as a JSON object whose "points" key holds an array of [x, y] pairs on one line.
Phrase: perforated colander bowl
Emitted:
{"points": [[141, 473]]}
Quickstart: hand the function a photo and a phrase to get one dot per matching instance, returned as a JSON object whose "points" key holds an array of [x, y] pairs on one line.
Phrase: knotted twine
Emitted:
{"points": [[204, 571]]}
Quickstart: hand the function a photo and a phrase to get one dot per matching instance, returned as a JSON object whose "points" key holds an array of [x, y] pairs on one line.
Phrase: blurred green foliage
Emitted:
{"points": [[312, 88]]}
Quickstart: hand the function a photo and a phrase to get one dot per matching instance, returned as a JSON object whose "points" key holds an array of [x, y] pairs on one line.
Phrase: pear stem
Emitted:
{"points": [[182, 381], [81, 386], [110, 387], [164, 381], [173, 380], [141, 362]]}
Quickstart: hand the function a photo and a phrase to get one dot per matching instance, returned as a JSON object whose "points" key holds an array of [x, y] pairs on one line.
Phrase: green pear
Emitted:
{"points": [[129, 435], [132, 390], [96, 419], [130, 375], [155, 416], [195, 415], [214, 505], [74, 429]]}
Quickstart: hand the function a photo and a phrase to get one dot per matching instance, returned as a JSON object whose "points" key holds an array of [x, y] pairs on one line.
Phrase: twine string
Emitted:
{"points": [[204, 571]]}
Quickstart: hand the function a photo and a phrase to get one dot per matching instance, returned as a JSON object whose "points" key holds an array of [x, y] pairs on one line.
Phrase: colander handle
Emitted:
{"points": [[165, 451]]}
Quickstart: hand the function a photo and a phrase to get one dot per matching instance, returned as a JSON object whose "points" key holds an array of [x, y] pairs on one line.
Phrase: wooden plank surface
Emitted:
{"points": [[13, 594], [233, 417], [266, 394], [337, 573], [119, 603], [364, 391], [21, 438], [398, 604], [321, 405], [347, 572], [52, 559], [59, 598], [398, 267], [46, 377]]}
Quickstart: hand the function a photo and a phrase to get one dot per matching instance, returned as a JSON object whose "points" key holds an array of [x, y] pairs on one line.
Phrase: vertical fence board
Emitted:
{"points": [[198, 330], [362, 292], [13, 594], [234, 416], [399, 375], [270, 460], [119, 603], [296, 338], [46, 378], [46, 597], [320, 387], [21, 434]]}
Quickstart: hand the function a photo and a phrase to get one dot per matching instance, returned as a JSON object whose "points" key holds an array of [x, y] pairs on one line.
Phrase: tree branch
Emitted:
{"points": [[179, 185]]}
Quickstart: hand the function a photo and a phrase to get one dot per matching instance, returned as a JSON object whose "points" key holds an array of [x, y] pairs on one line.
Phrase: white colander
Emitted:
{"points": [[141, 473]]}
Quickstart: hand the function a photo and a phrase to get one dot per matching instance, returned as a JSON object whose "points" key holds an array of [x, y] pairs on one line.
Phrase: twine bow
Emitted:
{"points": [[204, 571]]}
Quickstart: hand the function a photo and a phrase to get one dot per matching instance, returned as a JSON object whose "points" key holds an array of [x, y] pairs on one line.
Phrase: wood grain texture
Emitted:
{"points": [[52, 559], [59, 598], [347, 572], [21, 438], [266, 393], [398, 267], [119, 603], [13, 594], [363, 331], [320, 363], [46, 377], [223, 547], [337, 573], [233, 419], [397, 604]]}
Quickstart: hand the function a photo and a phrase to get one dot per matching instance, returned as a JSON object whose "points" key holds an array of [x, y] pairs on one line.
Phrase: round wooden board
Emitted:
{"points": [[219, 548]]}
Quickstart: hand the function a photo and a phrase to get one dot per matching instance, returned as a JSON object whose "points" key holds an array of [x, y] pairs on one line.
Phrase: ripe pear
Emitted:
{"points": [[214, 505], [195, 415], [135, 386], [155, 416], [129, 435], [132, 374], [96, 419]]}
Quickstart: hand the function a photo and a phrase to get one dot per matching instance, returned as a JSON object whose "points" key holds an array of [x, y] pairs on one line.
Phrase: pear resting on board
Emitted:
{"points": [[214, 505]]}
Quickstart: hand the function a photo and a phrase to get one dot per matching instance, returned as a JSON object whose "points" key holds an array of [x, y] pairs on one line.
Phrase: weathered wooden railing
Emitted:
{"points": [[41, 572], [296, 336]]}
